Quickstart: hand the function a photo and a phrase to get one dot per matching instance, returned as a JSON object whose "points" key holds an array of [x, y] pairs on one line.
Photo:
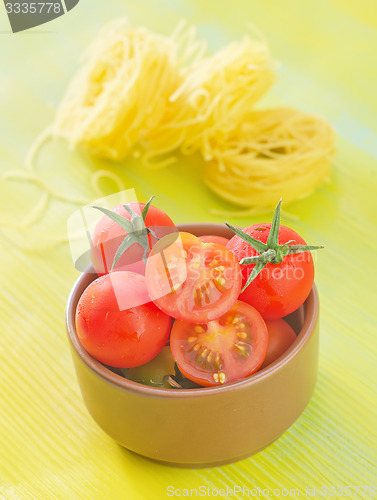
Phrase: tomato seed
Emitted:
{"points": [[219, 283], [242, 348], [219, 377], [242, 335], [198, 296], [206, 298], [218, 362]]}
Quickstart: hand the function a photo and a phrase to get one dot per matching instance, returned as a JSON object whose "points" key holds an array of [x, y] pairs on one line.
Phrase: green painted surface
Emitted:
{"points": [[50, 446]]}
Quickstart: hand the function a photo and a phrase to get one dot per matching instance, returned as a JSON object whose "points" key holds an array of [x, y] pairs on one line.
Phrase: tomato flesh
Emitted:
{"points": [[192, 281], [279, 289], [118, 324], [223, 350], [212, 238]]}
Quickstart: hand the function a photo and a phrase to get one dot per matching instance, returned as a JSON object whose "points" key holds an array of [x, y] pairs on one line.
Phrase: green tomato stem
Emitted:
{"points": [[270, 252], [136, 230]]}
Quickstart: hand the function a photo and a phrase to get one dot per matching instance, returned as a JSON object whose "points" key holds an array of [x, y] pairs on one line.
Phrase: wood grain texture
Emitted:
{"points": [[49, 446]]}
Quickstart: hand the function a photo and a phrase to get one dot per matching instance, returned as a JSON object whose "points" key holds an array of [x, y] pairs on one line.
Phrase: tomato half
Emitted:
{"points": [[191, 280], [279, 289], [212, 238], [223, 350], [118, 324], [108, 235], [280, 337]]}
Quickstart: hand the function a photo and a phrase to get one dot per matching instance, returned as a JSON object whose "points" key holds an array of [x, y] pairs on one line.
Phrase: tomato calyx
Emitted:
{"points": [[270, 252], [137, 231]]}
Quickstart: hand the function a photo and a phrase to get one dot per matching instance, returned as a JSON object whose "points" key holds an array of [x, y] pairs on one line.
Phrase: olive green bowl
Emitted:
{"points": [[205, 426]]}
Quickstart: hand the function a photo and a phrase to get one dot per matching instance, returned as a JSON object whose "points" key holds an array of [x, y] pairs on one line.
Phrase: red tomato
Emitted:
{"points": [[280, 337], [279, 289], [118, 324], [211, 238], [108, 235], [223, 350], [191, 280]]}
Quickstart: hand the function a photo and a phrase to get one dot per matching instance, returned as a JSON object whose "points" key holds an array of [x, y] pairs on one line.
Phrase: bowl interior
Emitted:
{"points": [[302, 321]]}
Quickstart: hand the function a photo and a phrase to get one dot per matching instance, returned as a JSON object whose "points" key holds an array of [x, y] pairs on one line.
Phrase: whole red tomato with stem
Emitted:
{"points": [[277, 267], [117, 323], [190, 280], [125, 235], [223, 350]]}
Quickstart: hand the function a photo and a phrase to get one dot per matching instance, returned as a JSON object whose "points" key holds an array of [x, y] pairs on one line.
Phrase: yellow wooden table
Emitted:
{"points": [[49, 446]]}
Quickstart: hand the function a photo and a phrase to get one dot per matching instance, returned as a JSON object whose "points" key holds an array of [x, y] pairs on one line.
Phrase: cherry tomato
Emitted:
{"points": [[118, 324], [191, 280], [279, 289], [222, 350], [280, 337], [108, 235], [211, 238]]}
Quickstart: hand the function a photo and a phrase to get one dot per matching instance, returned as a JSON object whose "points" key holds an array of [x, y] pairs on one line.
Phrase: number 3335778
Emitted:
{"points": [[33, 8]]}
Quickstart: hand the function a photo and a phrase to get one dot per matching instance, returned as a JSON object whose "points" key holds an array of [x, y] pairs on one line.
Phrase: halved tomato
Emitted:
{"points": [[190, 280], [223, 350]]}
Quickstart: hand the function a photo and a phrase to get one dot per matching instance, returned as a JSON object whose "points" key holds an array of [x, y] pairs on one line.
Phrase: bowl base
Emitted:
{"points": [[202, 465]]}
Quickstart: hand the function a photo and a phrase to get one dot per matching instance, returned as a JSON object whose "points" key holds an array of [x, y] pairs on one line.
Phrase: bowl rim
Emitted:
{"points": [[311, 313]]}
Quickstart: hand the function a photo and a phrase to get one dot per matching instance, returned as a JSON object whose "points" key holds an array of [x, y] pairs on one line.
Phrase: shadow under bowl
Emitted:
{"points": [[207, 426]]}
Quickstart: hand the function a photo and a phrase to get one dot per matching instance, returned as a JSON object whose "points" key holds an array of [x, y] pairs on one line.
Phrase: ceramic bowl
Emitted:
{"points": [[205, 426]]}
